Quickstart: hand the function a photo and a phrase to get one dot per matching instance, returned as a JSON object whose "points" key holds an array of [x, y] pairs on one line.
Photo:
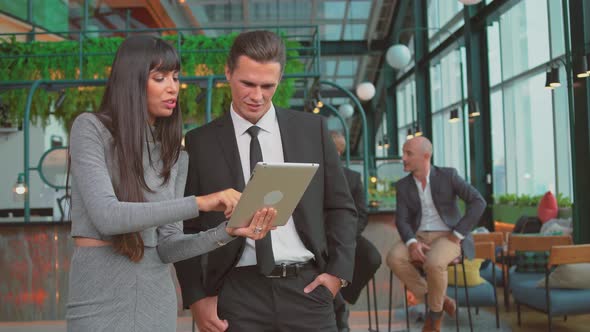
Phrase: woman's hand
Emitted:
{"points": [[225, 200], [260, 224]]}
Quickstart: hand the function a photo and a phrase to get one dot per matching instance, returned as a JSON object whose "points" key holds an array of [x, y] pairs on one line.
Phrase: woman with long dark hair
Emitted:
{"points": [[128, 178]]}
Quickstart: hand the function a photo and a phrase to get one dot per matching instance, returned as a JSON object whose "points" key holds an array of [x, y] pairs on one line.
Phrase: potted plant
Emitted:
{"points": [[509, 207], [565, 206]]}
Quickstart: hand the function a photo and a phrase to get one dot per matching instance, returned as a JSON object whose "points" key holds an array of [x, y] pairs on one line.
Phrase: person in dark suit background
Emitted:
{"points": [[431, 227], [312, 256], [367, 258]]}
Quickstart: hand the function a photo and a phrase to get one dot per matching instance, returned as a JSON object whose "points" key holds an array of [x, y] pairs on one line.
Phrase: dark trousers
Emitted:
{"points": [[366, 262], [252, 302]]}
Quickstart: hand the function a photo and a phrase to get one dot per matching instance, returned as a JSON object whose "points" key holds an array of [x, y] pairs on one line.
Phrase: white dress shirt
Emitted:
{"points": [[431, 220], [287, 246]]}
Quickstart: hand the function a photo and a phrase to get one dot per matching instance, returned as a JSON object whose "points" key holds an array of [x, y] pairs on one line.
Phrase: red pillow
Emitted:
{"points": [[547, 207]]}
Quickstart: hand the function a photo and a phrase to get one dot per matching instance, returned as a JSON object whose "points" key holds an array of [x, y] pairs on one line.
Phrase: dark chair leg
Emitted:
{"points": [[390, 296], [496, 298], [375, 304], [518, 313], [565, 318], [506, 276], [477, 310], [497, 310], [193, 324], [549, 322], [425, 306], [406, 304], [369, 307], [466, 295], [457, 300]]}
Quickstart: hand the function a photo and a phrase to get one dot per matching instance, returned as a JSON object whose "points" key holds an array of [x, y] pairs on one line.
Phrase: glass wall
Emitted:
{"points": [[530, 124], [405, 109], [444, 17], [448, 91]]}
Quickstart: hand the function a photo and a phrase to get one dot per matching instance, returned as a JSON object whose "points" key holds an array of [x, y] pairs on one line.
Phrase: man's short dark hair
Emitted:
{"points": [[259, 45]]}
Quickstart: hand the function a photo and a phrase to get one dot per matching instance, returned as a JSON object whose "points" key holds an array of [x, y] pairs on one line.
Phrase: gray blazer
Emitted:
{"points": [[446, 185]]}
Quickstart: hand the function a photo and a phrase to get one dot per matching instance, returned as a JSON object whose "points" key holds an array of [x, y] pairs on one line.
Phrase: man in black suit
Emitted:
{"points": [[288, 282], [431, 227], [367, 258]]}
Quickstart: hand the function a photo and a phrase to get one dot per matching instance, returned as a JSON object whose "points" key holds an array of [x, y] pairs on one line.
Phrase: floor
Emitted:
{"points": [[34, 261]]}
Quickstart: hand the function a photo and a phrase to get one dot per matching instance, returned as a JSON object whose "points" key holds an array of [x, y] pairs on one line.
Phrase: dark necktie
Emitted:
{"points": [[264, 256]]}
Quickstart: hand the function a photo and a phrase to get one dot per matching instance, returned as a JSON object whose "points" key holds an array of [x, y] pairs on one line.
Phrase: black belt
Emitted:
{"points": [[289, 271]]}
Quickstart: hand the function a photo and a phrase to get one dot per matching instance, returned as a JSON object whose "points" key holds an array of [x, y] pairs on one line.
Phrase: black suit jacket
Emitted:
{"points": [[325, 218], [358, 195], [367, 257], [445, 185]]}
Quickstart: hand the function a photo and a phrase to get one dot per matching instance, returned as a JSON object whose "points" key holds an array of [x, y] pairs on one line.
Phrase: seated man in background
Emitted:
{"points": [[431, 227], [367, 258]]}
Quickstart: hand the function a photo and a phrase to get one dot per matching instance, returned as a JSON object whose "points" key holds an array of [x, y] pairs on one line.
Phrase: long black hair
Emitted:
{"points": [[124, 112]]}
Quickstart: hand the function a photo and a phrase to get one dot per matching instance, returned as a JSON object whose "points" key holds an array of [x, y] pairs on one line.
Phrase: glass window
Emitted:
{"points": [[328, 67], [556, 27], [448, 141], [354, 31], [332, 10], [451, 76], [445, 80], [448, 94], [441, 12], [345, 82], [524, 37], [529, 136], [436, 86], [405, 110], [444, 17], [530, 124], [563, 152], [295, 10], [498, 147], [347, 67], [494, 59], [359, 10], [330, 31]]}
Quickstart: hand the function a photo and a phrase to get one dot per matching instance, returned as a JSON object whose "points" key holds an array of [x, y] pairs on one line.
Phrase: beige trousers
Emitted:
{"points": [[442, 252]]}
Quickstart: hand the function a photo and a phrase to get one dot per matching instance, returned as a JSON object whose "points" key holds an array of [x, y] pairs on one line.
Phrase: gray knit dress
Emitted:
{"points": [[107, 291]]}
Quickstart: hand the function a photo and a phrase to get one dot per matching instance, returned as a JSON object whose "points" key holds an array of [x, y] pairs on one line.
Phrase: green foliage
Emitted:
{"points": [[530, 200], [201, 56], [563, 201]]}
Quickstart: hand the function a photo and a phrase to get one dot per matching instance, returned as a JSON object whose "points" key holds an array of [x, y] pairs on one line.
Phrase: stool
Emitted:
{"points": [[369, 306], [456, 261]]}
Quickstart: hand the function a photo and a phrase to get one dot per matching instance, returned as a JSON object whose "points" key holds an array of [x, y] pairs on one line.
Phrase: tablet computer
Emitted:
{"points": [[277, 185]]}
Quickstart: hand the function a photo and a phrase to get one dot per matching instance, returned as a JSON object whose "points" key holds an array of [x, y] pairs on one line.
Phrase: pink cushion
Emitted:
{"points": [[547, 209]]}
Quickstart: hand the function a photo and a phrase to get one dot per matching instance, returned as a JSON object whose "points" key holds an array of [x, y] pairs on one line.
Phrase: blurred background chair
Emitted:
{"points": [[482, 293], [458, 261]]}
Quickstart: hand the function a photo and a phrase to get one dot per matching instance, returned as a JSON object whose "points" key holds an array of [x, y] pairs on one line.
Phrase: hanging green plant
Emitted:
{"points": [[201, 56]]}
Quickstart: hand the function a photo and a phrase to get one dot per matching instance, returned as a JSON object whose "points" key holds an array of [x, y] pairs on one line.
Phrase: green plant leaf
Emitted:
{"points": [[200, 55]]}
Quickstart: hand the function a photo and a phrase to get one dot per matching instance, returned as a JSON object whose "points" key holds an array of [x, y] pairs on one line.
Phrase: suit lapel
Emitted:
{"points": [[434, 183], [435, 187], [413, 191], [226, 138]]}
